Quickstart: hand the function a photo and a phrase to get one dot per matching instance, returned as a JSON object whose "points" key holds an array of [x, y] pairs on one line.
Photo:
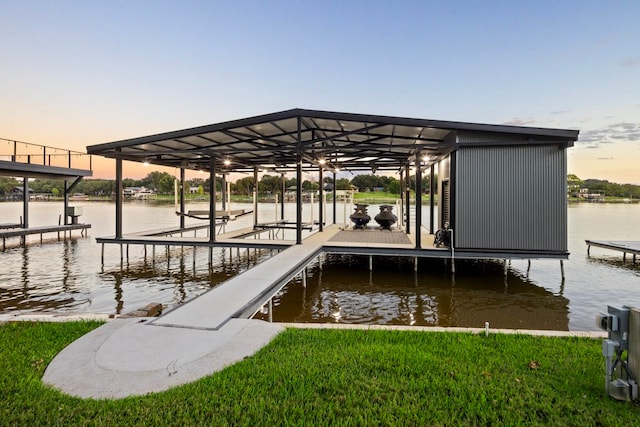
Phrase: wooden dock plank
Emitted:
{"points": [[20, 232], [6, 226], [624, 246]]}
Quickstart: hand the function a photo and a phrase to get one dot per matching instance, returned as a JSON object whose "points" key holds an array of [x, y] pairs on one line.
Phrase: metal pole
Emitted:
{"points": [[418, 200], [118, 197], [334, 197], [255, 196], [224, 192], [299, 200], [431, 201], [282, 198], [321, 202], [212, 198], [25, 202], [408, 197], [66, 201], [182, 181], [401, 207], [299, 183]]}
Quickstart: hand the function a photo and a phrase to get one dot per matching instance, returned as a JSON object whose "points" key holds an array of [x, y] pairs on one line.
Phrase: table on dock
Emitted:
{"points": [[624, 246]]}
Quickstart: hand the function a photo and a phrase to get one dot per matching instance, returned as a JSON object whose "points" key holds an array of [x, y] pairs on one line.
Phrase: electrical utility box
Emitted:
{"points": [[634, 342], [623, 335]]}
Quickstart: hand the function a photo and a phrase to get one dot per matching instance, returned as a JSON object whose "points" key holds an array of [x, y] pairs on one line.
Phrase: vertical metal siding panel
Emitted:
{"points": [[512, 198]]}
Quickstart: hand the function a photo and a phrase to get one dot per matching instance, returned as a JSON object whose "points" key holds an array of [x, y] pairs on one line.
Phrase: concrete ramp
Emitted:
{"points": [[128, 357], [137, 356]]}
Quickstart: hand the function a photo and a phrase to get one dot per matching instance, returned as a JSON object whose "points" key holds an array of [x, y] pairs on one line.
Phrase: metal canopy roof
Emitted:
{"points": [[31, 170], [337, 140]]}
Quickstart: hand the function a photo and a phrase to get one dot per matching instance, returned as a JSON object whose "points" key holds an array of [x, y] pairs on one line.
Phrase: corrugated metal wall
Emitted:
{"points": [[511, 198]]}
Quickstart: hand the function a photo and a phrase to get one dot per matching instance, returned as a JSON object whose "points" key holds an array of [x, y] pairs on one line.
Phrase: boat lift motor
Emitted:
{"points": [[620, 382]]}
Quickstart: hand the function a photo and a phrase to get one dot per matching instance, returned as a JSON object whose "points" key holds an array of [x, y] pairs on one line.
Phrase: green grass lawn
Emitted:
{"points": [[337, 377]]}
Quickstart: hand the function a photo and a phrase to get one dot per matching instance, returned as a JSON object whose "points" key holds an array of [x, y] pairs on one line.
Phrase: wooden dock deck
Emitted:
{"points": [[625, 246], [7, 233]]}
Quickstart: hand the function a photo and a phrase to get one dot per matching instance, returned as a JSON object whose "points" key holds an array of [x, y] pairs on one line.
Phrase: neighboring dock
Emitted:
{"points": [[26, 161], [625, 246], [22, 233]]}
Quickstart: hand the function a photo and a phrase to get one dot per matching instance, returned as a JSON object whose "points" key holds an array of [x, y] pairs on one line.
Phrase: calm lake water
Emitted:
{"points": [[69, 277]]}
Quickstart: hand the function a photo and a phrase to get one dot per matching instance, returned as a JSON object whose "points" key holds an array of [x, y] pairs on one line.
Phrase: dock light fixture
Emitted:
{"points": [[145, 163], [426, 158], [322, 161], [226, 162]]}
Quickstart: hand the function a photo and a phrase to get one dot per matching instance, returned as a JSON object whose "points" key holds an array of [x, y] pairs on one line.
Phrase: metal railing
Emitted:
{"points": [[26, 152]]}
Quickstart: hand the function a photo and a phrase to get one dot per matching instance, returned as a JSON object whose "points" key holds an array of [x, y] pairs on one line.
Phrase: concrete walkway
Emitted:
{"points": [[142, 355], [127, 357]]}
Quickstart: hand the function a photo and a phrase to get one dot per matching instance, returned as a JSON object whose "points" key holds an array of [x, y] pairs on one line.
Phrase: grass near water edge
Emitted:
{"points": [[337, 377]]}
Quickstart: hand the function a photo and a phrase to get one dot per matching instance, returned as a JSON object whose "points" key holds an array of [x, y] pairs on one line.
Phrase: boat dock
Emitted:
{"points": [[22, 233], [26, 161], [131, 357], [625, 246]]}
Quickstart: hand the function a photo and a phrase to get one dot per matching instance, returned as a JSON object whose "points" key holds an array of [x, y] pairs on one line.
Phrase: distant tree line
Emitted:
{"points": [[163, 183], [610, 189]]}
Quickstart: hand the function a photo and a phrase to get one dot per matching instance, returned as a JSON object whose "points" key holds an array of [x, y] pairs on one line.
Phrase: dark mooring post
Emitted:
{"points": [[407, 194], [118, 197], [212, 198]]}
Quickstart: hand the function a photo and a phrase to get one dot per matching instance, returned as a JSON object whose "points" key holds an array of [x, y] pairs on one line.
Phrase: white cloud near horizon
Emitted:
{"points": [[617, 132]]}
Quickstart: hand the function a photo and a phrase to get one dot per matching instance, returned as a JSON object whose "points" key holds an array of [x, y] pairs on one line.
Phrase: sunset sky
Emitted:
{"points": [[77, 73]]}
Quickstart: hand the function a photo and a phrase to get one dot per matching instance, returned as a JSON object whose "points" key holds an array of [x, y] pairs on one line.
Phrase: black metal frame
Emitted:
{"points": [[279, 141]]}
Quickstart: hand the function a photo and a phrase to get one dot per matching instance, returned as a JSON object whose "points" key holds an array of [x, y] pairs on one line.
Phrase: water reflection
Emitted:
{"points": [[617, 262], [172, 276], [32, 291], [394, 294], [70, 277]]}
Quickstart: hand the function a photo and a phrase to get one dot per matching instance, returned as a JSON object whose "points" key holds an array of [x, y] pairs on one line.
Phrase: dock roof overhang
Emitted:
{"points": [[31, 170], [344, 141]]}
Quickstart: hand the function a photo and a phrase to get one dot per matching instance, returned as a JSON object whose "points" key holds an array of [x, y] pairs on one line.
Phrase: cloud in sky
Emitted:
{"points": [[631, 62], [518, 121], [618, 132]]}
